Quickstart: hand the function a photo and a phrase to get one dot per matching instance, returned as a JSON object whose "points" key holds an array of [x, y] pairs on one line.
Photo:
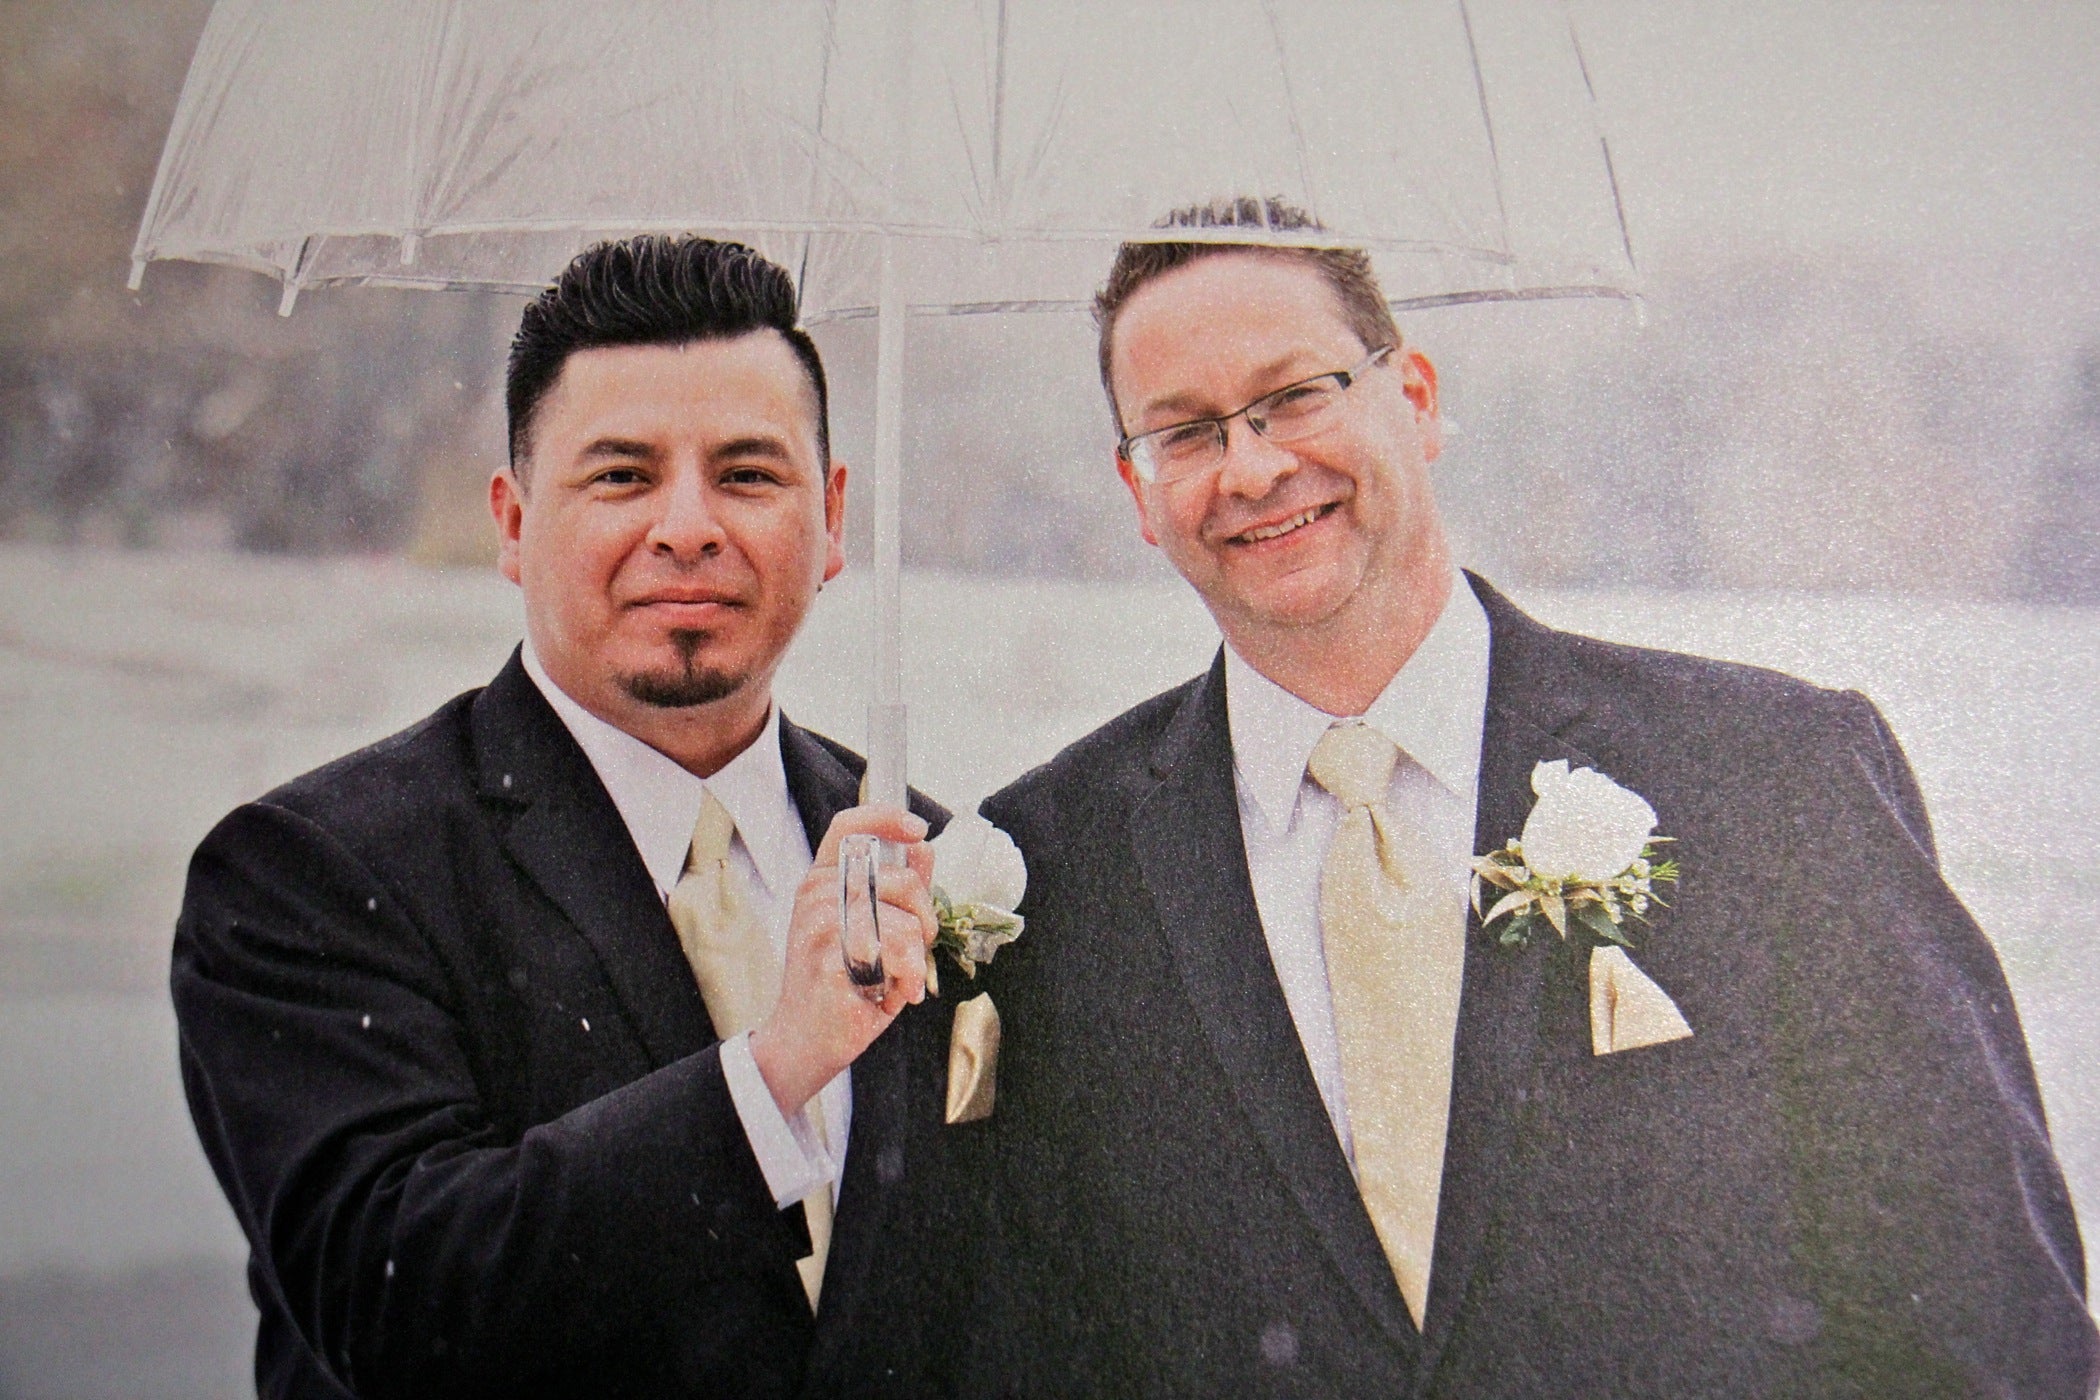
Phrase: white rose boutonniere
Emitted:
{"points": [[979, 878], [1587, 856]]}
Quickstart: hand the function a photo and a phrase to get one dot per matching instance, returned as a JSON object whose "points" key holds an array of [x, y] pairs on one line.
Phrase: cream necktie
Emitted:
{"points": [[1395, 956], [739, 973]]}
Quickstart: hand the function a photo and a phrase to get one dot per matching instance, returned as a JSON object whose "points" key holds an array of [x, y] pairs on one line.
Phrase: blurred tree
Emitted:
{"points": [[191, 411]]}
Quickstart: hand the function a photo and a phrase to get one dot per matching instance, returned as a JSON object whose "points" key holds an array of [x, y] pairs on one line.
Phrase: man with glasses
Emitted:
{"points": [[1278, 1115]]}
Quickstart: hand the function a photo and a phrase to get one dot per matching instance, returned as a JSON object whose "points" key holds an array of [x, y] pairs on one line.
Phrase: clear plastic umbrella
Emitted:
{"points": [[901, 156]]}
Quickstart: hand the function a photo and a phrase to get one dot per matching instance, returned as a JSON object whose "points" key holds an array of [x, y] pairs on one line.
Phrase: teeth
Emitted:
{"points": [[1270, 532]]}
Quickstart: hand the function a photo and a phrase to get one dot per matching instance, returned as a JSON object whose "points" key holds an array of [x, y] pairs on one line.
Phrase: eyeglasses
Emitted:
{"points": [[1295, 411]]}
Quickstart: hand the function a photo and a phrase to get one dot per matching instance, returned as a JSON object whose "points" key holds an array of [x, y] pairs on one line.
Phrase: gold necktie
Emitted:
{"points": [[1395, 956], [739, 973]]}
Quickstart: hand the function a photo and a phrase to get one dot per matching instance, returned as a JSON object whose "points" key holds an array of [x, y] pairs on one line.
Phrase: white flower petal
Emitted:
{"points": [[1584, 826], [975, 862]]}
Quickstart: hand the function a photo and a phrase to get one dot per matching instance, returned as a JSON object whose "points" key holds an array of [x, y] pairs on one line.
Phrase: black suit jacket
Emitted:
{"points": [[456, 1077], [1842, 1184]]}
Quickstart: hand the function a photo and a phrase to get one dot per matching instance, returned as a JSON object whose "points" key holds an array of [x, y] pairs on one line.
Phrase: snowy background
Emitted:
{"points": [[143, 694]]}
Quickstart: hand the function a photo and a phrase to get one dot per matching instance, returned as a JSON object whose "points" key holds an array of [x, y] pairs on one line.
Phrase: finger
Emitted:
{"points": [[905, 890], [815, 914], [904, 951], [920, 858], [881, 821], [903, 957]]}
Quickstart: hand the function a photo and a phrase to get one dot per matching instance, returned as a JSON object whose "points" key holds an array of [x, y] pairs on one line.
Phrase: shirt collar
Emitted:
{"points": [[1433, 708], [660, 801]]}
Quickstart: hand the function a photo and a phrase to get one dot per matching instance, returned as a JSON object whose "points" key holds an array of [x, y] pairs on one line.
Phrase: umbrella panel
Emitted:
{"points": [[484, 142]]}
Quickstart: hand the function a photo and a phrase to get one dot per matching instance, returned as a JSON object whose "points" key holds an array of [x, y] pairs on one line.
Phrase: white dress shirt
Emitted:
{"points": [[1433, 709], [660, 802]]}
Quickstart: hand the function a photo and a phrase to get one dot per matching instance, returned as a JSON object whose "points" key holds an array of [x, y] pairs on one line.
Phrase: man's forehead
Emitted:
{"points": [[754, 378], [747, 365], [1242, 315]]}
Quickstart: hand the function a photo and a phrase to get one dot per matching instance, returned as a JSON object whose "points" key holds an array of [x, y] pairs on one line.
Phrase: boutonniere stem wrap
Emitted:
{"points": [[1587, 859], [979, 878]]}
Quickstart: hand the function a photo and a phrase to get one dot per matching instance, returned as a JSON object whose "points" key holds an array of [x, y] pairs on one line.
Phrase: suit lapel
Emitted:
{"points": [[1185, 832], [818, 780], [1531, 702], [571, 840]]}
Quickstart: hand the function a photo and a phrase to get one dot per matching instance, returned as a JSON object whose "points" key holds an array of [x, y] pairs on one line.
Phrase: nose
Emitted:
{"points": [[1252, 464], [686, 527]]}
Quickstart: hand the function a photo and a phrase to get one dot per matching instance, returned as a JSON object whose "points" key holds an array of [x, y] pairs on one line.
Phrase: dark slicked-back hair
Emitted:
{"points": [[1346, 270], [652, 290]]}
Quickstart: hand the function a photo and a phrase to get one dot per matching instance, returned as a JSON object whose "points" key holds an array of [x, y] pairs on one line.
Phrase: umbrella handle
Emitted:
{"points": [[860, 939]]}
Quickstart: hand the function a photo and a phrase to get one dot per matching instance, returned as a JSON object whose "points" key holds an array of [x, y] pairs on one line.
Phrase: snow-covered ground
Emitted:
{"points": [[143, 695]]}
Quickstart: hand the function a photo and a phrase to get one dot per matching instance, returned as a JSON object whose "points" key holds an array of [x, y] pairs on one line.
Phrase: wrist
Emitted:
{"points": [[789, 1078]]}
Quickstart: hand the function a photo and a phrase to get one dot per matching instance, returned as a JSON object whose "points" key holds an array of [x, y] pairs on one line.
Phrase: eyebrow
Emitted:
{"points": [[757, 446], [616, 447], [631, 449]]}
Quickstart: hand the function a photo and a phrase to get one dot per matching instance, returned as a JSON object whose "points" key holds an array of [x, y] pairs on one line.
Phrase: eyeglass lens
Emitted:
{"points": [[1284, 416]]}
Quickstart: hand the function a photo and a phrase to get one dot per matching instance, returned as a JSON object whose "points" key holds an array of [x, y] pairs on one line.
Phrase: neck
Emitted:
{"points": [[1344, 662], [702, 739]]}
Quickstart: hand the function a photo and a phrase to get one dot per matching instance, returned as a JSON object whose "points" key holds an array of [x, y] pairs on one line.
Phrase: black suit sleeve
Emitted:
{"points": [[413, 1245], [1935, 1224]]}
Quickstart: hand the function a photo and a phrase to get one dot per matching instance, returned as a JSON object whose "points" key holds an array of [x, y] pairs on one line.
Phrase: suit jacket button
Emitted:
{"points": [[1279, 1344]]}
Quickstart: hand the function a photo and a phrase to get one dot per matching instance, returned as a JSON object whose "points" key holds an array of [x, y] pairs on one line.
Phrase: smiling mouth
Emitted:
{"points": [[1262, 533]]}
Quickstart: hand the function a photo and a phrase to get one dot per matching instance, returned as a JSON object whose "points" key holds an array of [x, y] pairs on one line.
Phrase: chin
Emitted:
{"points": [[1297, 601], [683, 674], [675, 688]]}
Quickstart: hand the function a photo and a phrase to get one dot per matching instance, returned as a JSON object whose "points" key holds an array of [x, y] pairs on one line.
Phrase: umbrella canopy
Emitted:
{"points": [[484, 142], [936, 156]]}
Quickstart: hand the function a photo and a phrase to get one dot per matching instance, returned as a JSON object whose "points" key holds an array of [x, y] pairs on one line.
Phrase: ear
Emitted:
{"points": [[507, 504], [1137, 494], [835, 520], [1419, 384]]}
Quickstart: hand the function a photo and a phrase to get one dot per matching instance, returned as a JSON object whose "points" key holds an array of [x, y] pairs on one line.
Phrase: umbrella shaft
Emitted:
{"points": [[886, 737]]}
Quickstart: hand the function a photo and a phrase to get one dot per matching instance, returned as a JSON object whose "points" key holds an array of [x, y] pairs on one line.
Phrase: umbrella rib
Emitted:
{"points": [[1611, 172], [1048, 135], [693, 220], [1568, 292], [1571, 292], [1487, 121], [200, 105], [955, 107], [999, 113], [418, 131], [816, 163], [1290, 106]]}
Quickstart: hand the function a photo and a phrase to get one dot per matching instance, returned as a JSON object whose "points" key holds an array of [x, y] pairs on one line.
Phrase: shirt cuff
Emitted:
{"points": [[788, 1150]]}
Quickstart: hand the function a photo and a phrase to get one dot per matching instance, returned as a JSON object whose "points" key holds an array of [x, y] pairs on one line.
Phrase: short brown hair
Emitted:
{"points": [[1346, 270]]}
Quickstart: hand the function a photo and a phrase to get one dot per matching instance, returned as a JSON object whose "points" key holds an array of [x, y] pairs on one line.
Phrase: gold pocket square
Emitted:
{"points": [[973, 1060], [1627, 1009]]}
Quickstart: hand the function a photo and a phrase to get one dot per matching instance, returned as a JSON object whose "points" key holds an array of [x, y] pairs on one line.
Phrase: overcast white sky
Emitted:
{"points": [[1936, 125]]}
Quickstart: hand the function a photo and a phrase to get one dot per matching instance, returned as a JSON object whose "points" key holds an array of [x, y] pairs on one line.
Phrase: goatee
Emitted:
{"points": [[686, 684]]}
